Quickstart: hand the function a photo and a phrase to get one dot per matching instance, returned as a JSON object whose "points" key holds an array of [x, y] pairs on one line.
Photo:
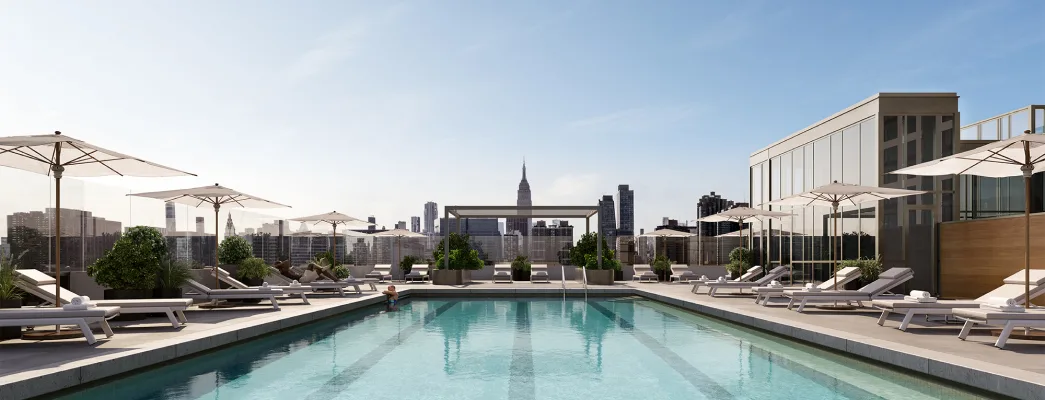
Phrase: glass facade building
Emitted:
{"points": [[983, 197], [860, 145]]}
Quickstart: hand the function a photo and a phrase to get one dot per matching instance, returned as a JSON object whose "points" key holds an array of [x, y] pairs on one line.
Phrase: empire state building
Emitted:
{"points": [[522, 225]]}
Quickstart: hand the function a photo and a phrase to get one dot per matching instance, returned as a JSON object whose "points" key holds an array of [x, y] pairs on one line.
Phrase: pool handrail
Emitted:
{"points": [[563, 276]]}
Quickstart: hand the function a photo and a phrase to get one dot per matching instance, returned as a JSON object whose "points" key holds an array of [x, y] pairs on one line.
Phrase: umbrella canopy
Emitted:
{"points": [[333, 218], [215, 196], [747, 231], [399, 233], [1018, 156], [61, 155], [835, 194], [741, 213], [668, 233]]}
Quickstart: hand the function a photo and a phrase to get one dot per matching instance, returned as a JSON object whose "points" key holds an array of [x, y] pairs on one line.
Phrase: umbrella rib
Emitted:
{"points": [[91, 156], [20, 152]]}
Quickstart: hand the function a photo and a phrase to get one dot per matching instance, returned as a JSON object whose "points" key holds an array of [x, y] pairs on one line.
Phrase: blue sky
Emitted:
{"points": [[373, 108]]}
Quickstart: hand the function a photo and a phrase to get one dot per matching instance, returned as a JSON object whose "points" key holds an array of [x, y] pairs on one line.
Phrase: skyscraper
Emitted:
{"points": [[199, 224], [415, 224], [626, 211], [522, 225], [230, 229], [431, 214], [171, 225], [711, 204], [608, 220], [401, 225]]}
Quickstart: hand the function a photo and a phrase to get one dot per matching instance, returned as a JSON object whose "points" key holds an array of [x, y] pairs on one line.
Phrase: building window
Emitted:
{"points": [[891, 129], [890, 163]]}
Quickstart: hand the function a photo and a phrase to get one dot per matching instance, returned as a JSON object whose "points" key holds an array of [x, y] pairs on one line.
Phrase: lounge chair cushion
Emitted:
{"points": [[34, 277], [855, 294], [55, 312], [143, 303], [1037, 277], [907, 304], [984, 314]]}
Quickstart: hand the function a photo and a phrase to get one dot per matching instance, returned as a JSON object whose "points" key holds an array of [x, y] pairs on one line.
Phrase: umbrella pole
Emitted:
{"points": [[58, 169], [1028, 171], [834, 249], [217, 244]]}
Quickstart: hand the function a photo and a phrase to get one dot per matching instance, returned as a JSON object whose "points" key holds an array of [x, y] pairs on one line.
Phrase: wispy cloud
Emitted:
{"points": [[547, 21], [638, 119], [730, 29], [341, 43]]}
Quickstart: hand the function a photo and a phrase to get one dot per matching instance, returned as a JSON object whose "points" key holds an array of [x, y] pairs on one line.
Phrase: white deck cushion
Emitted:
{"points": [[55, 312], [1037, 277]]}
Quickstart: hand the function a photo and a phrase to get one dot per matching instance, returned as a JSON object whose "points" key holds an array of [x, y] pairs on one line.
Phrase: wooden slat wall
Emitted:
{"points": [[976, 255]]}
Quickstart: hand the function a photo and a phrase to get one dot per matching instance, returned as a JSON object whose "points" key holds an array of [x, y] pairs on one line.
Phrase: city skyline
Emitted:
{"points": [[480, 89]]}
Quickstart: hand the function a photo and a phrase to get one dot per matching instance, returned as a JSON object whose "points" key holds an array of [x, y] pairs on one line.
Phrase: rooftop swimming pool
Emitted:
{"points": [[544, 348]]}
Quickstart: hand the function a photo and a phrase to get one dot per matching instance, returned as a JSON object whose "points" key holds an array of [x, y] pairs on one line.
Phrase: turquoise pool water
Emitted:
{"points": [[625, 348]]}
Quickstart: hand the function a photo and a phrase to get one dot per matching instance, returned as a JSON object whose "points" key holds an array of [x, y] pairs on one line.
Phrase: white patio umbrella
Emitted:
{"points": [[61, 155], [1018, 156], [835, 194], [216, 196], [739, 214], [333, 218], [666, 233], [399, 234]]}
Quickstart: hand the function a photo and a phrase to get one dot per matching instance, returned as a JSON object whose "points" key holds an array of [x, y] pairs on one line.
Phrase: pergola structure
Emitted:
{"points": [[465, 212]]}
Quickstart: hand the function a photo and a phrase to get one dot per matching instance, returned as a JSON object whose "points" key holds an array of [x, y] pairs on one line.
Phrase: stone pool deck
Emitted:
{"points": [[29, 369]]}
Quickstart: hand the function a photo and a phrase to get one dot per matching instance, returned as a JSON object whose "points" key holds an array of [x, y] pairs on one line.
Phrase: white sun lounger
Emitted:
{"points": [[1012, 288], [381, 272], [418, 273], [643, 273], [845, 275], [224, 276], [196, 290], [1031, 318], [40, 316], [772, 275], [502, 273], [539, 272], [325, 284], [747, 276], [682, 273], [886, 281], [41, 285]]}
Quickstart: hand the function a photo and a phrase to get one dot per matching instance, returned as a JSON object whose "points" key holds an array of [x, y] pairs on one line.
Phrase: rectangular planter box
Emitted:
{"points": [[599, 276], [450, 276]]}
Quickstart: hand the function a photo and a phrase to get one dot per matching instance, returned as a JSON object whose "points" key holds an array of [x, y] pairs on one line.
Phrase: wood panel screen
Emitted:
{"points": [[976, 255]]}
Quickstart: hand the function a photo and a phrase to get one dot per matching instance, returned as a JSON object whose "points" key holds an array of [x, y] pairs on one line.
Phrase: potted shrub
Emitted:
{"points": [[585, 256], [407, 264], [662, 266], [129, 270], [739, 261], [232, 251], [252, 271], [521, 269], [171, 275], [341, 271], [454, 270], [10, 297], [869, 269]]}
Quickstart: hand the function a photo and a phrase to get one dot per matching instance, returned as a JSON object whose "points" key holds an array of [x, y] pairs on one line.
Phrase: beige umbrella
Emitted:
{"points": [[61, 155], [835, 194], [666, 233], [740, 214], [216, 196], [399, 234], [333, 218], [1018, 156]]}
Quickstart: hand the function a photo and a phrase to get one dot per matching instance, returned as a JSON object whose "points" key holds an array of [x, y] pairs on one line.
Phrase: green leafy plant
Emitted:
{"points": [[521, 263], [173, 273], [341, 271], [252, 268], [870, 268], [462, 256], [327, 258], [407, 264], [587, 246], [8, 290], [740, 259], [661, 264], [133, 262], [233, 250]]}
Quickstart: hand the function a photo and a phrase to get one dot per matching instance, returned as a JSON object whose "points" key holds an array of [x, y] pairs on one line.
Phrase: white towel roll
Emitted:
{"points": [[721, 279], [920, 294], [703, 277], [265, 285], [775, 284], [1001, 302], [80, 300], [810, 286], [295, 283]]}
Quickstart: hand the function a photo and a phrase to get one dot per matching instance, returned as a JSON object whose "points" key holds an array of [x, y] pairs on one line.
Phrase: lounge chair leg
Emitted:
{"points": [[757, 298], [106, 328], [304, 299], [802, 306], [181, 316], [275, 305], [907, 320], [883, 317], [965, 330], [174, 320], [791, 303], [1004, 336], [86, 329]]}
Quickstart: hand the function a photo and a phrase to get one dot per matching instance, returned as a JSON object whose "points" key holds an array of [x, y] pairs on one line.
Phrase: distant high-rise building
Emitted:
{"points": [[415, 224], [85, 238], [230, 229], [199, 225], [626, 211], [482, 233], [500, 227], [401, 225], [608, 220], [551, 242], [371, 220], [711, 204], [431, 214], [169, 208], [523, 199]]}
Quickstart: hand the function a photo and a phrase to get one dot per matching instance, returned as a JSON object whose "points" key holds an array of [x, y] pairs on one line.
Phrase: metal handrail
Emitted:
{"points": [[584, 278], [563, 276]]}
